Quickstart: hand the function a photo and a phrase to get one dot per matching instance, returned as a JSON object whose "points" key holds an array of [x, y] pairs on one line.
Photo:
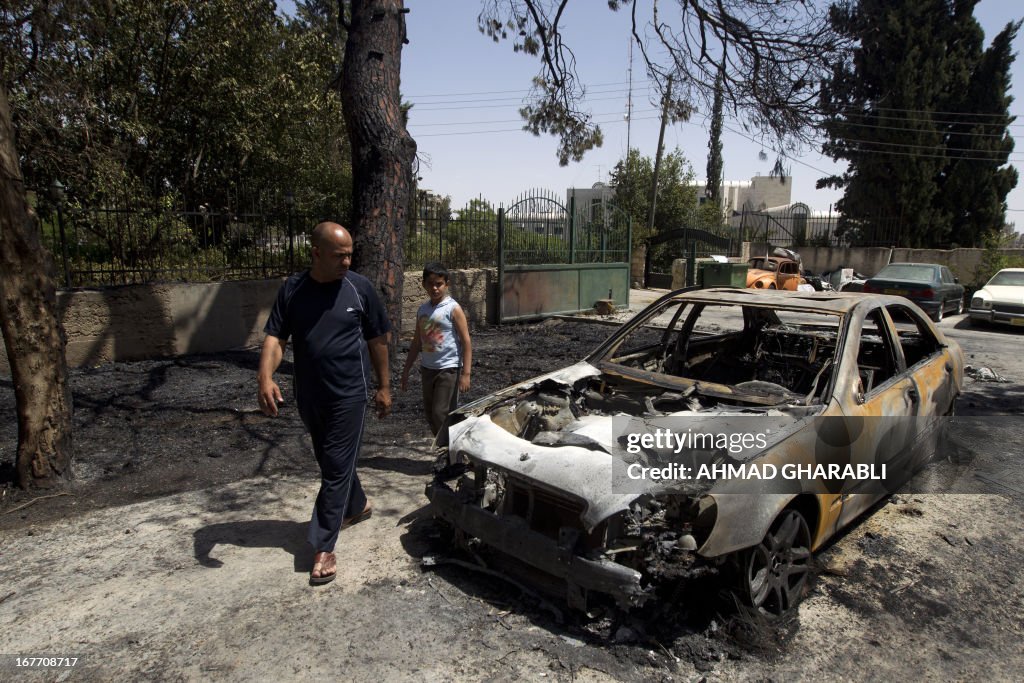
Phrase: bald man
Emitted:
{"points": [[339, 329]]}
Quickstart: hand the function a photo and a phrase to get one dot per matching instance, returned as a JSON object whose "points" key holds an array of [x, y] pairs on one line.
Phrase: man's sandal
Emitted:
{"points": [[323, 562], [360, 517]]}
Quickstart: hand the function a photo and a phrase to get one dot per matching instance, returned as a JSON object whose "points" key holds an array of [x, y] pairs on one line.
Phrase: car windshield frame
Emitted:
{"points": [[764, 263], [1017, 275], [683, 317]]}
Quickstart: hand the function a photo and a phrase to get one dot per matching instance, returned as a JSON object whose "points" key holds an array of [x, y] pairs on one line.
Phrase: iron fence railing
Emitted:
{"points": [[796, 226], [113, 245], [467, 238]]}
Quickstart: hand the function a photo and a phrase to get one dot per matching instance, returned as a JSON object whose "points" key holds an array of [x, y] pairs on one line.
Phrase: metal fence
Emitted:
{"points": [[538, 228], [797, 226], [466, 238], [112, 245]]}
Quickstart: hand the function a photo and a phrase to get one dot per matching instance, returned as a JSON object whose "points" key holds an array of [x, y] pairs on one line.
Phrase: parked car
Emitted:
{"points": [[929, 285], [781, 270], [538, 478], [1001, 300]]}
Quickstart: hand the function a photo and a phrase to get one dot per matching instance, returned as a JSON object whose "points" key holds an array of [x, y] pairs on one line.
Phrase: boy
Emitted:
{"points": [[442, 336]]}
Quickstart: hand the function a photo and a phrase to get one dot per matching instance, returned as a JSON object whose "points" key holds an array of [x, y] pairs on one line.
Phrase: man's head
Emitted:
{"points": [[332, 252], [435, 281]]}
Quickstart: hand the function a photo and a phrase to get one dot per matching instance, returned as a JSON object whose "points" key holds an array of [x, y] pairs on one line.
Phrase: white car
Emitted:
{"points": [[1001, 300]]}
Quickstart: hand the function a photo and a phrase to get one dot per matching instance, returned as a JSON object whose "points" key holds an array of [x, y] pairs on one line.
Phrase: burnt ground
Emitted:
{"points": [[926, 585], [151, 428]]}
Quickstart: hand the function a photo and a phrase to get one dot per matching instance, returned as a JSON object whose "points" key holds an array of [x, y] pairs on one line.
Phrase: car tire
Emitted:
{"points": [[939, 313], [774, 573], [960, 306]]}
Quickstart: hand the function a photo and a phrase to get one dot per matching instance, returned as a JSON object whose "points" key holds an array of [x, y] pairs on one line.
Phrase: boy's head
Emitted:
{"points": [[435, 281]]}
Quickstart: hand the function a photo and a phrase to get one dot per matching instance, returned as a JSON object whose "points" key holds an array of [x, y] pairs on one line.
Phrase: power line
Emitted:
{"points": [[910, 145], [518, 90], [518, 130], [939, 121], [925, 111], [414, 124], [918, 130], [495, 106]]}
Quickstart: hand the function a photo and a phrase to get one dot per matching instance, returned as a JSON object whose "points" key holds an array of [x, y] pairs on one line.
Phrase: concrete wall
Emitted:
{"points": [[152, 321], [636, 264], [869, 260]]}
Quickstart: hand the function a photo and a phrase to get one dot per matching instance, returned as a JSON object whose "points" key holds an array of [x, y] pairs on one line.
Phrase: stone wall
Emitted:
{"points": [[474, 289], [636, 264], [152, 321]]}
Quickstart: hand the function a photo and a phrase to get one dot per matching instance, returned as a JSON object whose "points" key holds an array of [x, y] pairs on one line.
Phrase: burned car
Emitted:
{"points": [[781, 270], [541, 475]]}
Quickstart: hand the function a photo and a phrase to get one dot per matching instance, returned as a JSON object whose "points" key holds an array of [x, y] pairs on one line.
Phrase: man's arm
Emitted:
{"points": [[379, 359], [269, 394], [461, 326]]}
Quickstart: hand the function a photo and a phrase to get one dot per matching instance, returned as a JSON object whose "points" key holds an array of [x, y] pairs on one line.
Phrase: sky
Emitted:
{"points": [[467, 90]]}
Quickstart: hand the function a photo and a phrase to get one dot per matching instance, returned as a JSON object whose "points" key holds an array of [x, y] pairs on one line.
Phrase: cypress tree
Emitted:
{"points": [[977, 179], [713, 188], [912, 110]]}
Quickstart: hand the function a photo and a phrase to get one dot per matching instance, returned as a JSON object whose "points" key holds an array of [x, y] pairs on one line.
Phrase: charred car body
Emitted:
{"points": [[781, 270], [534, 471]]}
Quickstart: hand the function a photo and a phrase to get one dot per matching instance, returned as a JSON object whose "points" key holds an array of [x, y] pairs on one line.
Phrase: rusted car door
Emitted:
{"points": [[788, 276], [881, 402]]}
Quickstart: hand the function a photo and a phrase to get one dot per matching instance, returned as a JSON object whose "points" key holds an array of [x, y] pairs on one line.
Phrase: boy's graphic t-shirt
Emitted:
{"points": [[439, 345]]}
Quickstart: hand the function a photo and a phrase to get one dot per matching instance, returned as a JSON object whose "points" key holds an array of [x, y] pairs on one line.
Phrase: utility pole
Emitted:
{"points": [[666, 102], [629, 97]]}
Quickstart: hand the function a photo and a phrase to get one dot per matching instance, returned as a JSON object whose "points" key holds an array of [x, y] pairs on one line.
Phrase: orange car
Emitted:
{"points": [[774, 272]]}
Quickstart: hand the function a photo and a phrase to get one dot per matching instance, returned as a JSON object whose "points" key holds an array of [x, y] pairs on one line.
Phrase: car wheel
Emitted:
{"points": [[774, 572], [771, 285], [939, 313], [960, 306]]}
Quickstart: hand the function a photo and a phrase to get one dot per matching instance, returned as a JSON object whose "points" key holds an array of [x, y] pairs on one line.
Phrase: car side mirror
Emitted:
{"points": [[956, 280]]}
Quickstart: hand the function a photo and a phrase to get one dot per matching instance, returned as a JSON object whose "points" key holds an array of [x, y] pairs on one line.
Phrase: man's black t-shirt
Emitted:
{"points": [[329, 324]]}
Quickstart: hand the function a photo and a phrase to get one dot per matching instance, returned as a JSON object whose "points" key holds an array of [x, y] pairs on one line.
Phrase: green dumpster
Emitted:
{"points": [[714, 274]]}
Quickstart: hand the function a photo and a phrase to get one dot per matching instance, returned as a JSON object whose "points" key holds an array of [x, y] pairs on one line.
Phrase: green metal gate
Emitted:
{"points": [[554, 258], [688, 243]]}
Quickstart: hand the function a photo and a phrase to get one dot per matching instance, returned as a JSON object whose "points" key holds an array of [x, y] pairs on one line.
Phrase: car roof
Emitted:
{"points": [[913, 263], [836, 303], [1011, 270]]}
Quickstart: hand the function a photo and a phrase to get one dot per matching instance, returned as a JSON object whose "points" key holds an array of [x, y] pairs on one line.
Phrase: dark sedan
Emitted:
{"points": [[929, 285]]}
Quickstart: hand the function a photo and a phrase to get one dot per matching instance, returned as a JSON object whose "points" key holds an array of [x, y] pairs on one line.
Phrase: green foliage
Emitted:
{"points": [[677, 194], [919, 111], [551, 113], [713, 187], [199, 101], [994, 258], [469, 239]]}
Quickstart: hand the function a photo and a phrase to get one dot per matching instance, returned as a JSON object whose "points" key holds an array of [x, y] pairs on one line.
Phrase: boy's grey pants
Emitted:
{"points": [[440, 395]]}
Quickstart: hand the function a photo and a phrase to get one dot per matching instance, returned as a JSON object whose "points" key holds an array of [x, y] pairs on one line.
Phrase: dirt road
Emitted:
{"points": [[180, 555]]}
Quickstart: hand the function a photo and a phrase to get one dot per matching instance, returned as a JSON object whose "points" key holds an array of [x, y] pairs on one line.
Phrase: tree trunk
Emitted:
{"points": [[382, 150], [33, 337]]}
